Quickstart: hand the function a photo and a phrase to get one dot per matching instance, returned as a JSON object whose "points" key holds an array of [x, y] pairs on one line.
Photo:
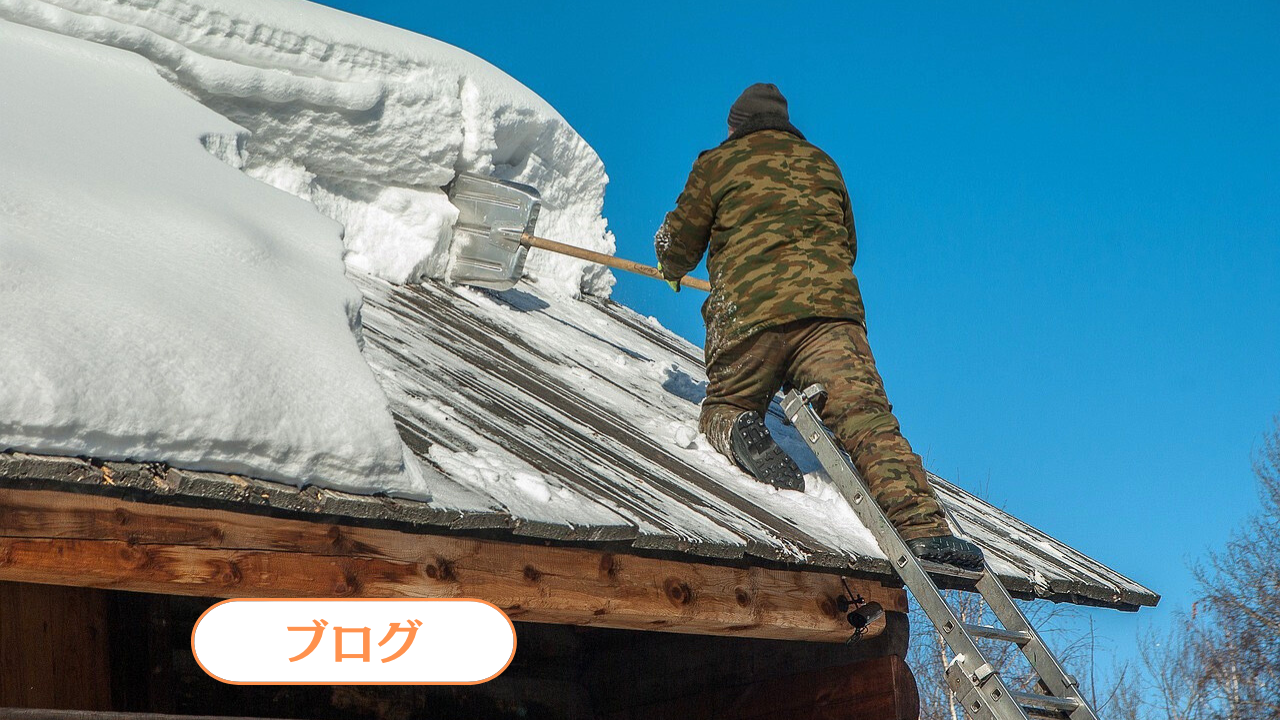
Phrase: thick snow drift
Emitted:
{"points": [[158, 304], [161, 305], [365, 120]]}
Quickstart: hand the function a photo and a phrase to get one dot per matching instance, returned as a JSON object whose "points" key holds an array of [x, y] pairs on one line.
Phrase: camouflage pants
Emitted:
{"points": [[835, 353]]}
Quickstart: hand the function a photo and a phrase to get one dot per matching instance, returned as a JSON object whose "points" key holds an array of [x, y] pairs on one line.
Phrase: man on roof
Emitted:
{"points": [[772, 213]]}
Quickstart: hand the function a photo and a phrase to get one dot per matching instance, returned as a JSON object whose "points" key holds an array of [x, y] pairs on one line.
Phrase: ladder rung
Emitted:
{"points": [[1034, 713], [949, 571], [1047, 702], [1016, 637]]}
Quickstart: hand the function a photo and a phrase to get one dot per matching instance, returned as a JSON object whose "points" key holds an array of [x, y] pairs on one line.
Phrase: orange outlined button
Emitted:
{"points": [[335, 641]]}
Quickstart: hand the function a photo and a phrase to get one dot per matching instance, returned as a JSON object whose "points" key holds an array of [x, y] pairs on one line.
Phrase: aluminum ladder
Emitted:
{"points": [[976, 684]]}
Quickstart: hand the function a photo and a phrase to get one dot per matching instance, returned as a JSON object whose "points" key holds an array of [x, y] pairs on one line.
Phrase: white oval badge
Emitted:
{"points": [[406, 641]]}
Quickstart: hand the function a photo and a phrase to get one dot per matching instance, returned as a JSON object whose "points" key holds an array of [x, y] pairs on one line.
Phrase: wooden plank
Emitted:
{"points": [[53, 647], [492, 375], [630, 670], [31, 714], [489, 373], [29, 471], [70, 539], [877, 689]]}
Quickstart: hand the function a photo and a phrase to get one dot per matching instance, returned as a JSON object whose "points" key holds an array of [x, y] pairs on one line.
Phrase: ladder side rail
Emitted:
{"points": [[999, 698], [1042, 659]]}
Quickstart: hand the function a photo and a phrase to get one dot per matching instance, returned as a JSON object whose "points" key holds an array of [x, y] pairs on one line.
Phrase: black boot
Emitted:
{"points": [[757, 453], [948, 550]]}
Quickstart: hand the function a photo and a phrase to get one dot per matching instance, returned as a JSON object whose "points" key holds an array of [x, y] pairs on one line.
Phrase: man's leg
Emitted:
{"points": [[836, 354], [741, 381]]}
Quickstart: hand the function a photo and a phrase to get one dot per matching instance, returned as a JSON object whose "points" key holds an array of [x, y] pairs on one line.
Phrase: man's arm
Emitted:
{"points": [[683, 237]]}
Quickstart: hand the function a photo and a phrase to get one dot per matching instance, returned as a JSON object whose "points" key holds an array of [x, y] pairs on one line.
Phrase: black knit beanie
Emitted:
{"points": [[759, 99]]}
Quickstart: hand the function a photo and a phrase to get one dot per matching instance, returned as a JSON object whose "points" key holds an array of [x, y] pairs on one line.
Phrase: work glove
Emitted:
{"points": [[675, 284]]}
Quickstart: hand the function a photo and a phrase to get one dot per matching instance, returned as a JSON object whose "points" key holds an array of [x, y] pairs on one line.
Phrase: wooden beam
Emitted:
{"points": [[631, 670], [877, 689], [53, 648], [29, 714], [95, 541]]}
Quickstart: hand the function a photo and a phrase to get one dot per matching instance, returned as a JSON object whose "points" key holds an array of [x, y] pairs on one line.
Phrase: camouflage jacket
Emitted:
{"points": [[773, 215]]}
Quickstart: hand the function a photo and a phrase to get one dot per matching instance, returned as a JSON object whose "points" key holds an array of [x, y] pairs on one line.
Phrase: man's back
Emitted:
{"points": [[772, 212]]}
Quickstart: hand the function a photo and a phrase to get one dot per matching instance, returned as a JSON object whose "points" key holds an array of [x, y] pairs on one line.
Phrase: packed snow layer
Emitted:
{"points": [[365, 120], [157, 304], [162, 305]]}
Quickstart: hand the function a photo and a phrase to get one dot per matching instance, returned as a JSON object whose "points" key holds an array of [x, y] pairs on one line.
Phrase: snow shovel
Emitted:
{"points": [[495, 231]]}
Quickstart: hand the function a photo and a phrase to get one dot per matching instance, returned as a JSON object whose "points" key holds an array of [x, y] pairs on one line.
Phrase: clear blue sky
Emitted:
{"points": [[1068, 219]]}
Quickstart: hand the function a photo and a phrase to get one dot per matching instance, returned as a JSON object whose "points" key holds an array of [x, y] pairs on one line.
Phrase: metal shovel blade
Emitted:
{"points": [[493, 217]]}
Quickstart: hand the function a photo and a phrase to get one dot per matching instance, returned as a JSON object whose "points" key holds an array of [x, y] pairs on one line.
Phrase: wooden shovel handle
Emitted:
{"points": [[610, 261]]}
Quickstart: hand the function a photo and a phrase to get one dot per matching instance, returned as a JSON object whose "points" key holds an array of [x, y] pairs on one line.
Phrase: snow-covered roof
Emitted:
{"points": [[163, 305], [547, 419], [576, 421]]}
